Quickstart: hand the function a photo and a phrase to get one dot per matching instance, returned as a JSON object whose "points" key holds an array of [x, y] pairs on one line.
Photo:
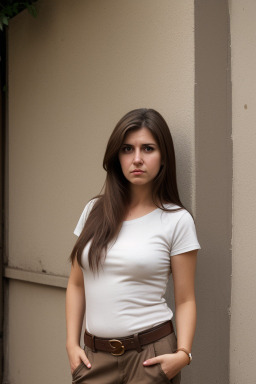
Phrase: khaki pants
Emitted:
{"points": [[128, 368]]}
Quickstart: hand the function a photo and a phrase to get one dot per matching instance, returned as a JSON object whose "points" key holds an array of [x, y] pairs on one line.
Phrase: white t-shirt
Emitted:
{"points": [[126, 296]]}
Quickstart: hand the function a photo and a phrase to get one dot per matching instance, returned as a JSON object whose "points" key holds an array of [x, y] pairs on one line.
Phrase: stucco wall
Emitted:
{"points": [[243, 310], [73, 72]]}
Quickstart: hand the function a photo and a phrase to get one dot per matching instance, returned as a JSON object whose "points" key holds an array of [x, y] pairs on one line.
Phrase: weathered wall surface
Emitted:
{"points": [[243, 310], [73, 72]]}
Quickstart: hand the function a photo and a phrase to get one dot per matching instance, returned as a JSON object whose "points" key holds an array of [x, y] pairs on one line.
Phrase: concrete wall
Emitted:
{"points": [[73, 72], [213, 189], [243, 310]]}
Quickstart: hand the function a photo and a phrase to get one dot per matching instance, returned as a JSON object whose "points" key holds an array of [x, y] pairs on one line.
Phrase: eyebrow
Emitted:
{"points": [[141, 144]]}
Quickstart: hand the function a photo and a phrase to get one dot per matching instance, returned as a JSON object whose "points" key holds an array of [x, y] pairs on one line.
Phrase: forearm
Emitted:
{"points": [[75, 308], [172, 363], [185, 317]]}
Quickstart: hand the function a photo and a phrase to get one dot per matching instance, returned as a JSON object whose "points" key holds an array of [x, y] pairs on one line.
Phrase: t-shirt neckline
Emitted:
{"points": [[141, 218]]}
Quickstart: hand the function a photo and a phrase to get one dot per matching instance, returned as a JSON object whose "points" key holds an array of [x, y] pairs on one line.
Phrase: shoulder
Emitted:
{"points": [[84, 216], [176, 213], [184, 237], [88, 207], [177, 219]]}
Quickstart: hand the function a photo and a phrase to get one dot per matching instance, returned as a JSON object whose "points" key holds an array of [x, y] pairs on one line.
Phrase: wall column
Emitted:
{"points": [[213, 189], [243, 311]]}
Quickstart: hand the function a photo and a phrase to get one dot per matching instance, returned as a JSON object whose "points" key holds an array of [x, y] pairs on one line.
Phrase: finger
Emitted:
{"points": [[154, 360], [85, 360]]}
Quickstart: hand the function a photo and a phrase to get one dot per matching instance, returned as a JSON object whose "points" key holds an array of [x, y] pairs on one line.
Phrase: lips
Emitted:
{"points": [[137, 171]]}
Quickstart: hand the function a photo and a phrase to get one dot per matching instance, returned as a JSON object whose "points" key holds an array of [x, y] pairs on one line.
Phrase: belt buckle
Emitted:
{"points": [[117, 346]]}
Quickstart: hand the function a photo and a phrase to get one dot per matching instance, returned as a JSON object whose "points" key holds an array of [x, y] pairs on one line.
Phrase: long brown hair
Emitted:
{"points": [[107, 214]]}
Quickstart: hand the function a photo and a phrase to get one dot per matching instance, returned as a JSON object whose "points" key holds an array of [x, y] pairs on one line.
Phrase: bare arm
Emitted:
{"points": [[183, 269], [75, 308]]}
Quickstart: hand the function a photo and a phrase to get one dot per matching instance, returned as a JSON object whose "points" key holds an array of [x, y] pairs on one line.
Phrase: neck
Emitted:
{"points": [[141, 195]]}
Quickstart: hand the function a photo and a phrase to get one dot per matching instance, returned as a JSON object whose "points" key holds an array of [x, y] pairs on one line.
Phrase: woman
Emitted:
{"points": [[129, 240]]}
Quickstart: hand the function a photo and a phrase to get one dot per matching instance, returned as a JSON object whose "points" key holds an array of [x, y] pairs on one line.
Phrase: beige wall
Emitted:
{"points": [[213, 189], [37, 327], [73, 72], [243, 310]]}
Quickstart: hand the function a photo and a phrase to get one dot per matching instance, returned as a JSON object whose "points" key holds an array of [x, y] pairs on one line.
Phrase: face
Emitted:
{"points": [[140, 157]]}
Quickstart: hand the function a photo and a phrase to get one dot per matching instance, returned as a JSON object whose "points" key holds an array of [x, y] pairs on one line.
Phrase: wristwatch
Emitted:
{"points": [[187, 353]]}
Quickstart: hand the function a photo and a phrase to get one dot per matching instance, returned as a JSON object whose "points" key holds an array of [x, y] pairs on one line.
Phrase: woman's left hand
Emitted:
{"points": [[171, 364]]}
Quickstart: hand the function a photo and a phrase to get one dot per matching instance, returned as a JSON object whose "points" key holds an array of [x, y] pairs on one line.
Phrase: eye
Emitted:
{"points": [[148, 148], [126, 149]]}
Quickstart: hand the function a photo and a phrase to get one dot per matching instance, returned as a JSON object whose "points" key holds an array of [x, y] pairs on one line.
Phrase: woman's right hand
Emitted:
{"points": [[75, 311], [77, 355]]}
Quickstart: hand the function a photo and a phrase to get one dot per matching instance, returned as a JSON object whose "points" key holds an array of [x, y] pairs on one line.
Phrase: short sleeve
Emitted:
{"points": [[81, 222], [184, 237]]}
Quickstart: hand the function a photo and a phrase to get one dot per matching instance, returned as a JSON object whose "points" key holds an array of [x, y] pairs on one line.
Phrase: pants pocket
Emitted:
{"points": [[76, 371], [167, 345], [80, 371]]}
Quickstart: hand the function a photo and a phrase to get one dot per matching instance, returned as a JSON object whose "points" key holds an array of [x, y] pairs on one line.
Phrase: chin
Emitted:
{"points": [[139, 182]]}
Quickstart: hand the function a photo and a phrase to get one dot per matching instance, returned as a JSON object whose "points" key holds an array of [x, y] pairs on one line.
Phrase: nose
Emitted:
{"points": [[137, 157]]}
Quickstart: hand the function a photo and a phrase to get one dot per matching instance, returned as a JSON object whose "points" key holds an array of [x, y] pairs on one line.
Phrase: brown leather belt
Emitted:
{"points": [[117, 347]]}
